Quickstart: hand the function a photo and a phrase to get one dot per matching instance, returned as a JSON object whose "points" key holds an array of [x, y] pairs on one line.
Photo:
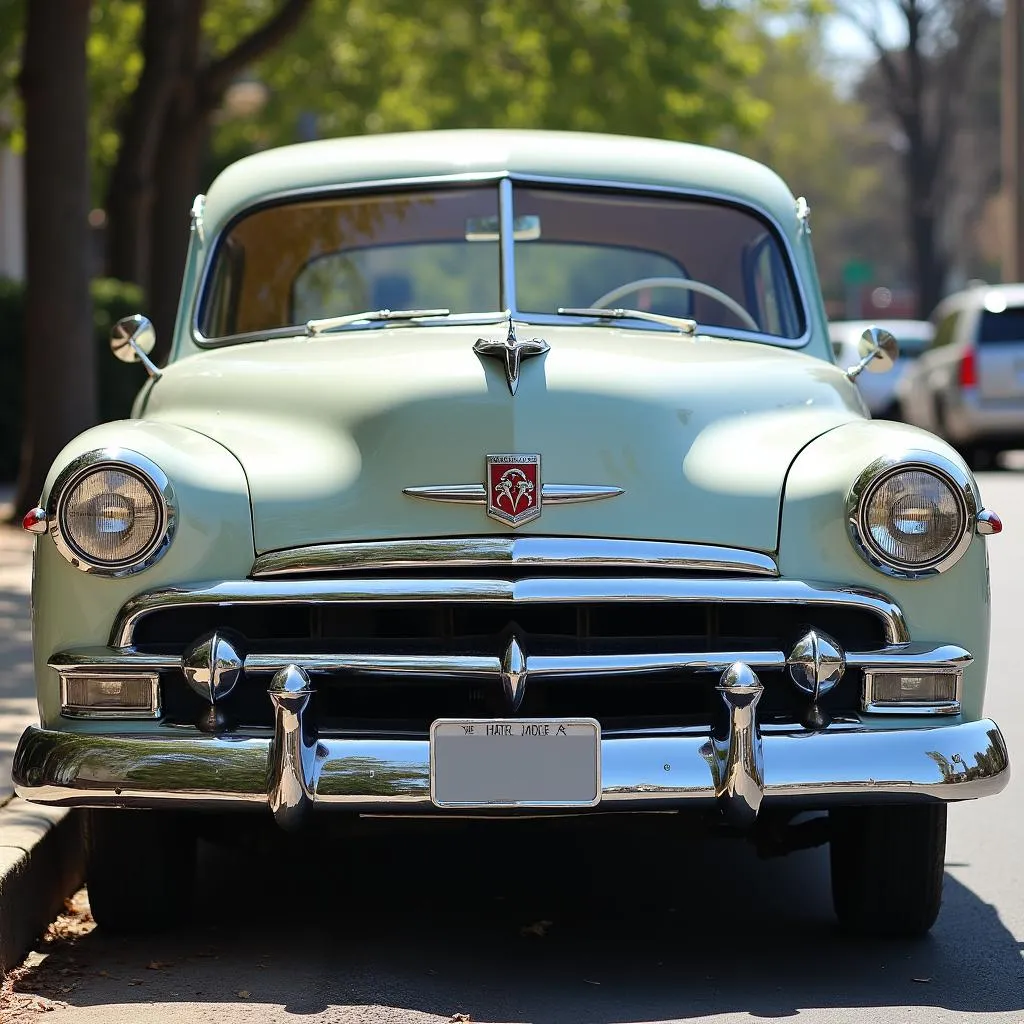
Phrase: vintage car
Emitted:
{"points": [[505, 473]]}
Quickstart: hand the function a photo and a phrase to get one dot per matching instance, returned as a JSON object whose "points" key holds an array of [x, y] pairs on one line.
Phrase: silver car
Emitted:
{"points": [[879, 389], [969, 386]]}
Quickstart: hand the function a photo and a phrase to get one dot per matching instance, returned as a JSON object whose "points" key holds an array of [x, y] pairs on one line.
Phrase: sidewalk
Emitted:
{"points": [[40, 847], [17, 692]]}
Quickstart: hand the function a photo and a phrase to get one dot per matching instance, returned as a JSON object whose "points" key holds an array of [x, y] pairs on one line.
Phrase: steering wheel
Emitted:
{"points": [[686, 285]]}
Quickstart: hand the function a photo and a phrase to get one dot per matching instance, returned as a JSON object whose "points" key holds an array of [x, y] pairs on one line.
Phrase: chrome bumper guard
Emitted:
{"points": [[737, 766]]}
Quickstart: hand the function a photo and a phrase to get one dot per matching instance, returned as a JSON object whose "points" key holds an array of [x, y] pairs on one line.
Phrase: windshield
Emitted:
{"points": [[330, 256]]}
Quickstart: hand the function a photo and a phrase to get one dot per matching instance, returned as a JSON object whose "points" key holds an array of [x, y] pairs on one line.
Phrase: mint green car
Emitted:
{"points": [[509, 472]]}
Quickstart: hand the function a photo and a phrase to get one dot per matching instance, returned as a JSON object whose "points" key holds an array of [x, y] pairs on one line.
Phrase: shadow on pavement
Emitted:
{"points": [[533, 923]]}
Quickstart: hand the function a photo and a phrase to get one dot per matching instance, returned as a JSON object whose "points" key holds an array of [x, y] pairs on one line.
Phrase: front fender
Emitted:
{"points": [[952, 607], [213, 539]]}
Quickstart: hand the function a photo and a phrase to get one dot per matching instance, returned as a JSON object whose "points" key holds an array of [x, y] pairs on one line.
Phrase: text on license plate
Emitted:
{"points": [[515, 762]]}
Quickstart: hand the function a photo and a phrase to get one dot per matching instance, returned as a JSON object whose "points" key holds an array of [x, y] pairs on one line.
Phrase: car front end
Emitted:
{"points": [[543, 550]]}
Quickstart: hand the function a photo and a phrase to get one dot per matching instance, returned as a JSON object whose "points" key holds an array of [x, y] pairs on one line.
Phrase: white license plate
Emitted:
{"points": [[515, 762]]}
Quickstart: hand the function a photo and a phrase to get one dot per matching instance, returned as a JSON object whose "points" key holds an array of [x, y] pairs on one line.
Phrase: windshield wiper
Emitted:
{"points": [[682, 324], [336, 323]]}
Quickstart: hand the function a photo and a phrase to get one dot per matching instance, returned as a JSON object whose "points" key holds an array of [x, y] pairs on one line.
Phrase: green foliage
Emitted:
{"points": [[118, 382], [647, 67], [813, 137], [115, 63], [12, 20]]}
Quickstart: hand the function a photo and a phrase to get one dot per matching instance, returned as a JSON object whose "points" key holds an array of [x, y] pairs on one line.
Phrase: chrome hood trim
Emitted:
{"points": [[523, 551]]}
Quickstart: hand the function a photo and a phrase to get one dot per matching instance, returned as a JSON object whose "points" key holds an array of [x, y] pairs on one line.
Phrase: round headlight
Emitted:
{"points": [[914, 518], [112, 514]]}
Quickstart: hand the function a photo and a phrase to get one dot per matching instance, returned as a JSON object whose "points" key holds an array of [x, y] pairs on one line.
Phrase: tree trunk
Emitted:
{"points": [[176, 180], [131, 189], [60, 370], [199, 88]]}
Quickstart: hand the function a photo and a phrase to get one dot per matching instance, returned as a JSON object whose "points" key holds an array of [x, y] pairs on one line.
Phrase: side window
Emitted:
{"points": [[221, 299], [946, 330], [770, 290]]}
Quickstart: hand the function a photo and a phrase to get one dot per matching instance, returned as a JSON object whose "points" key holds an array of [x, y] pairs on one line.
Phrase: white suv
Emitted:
{"points": [[969, 386]]}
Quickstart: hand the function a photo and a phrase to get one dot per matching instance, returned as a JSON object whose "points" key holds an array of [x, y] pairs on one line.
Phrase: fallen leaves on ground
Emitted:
{"points": [[28, 989], [76, 921], [243, 994]]}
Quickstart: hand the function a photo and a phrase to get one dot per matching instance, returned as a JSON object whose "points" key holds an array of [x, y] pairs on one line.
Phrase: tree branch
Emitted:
{"points": [[219, 74]]}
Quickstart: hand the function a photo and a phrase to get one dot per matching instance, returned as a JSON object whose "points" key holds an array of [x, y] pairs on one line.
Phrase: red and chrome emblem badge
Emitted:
{"points": [[513, 488]]}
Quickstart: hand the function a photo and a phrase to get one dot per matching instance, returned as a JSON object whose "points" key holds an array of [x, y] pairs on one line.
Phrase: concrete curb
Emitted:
{"points": [[41, 864]]}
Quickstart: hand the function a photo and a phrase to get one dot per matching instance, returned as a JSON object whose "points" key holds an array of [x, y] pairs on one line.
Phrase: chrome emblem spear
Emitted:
{"points": [[512, 351]]}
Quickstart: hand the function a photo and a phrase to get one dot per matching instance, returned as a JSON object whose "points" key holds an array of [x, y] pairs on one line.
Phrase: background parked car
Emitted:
{"points": [[969, 386], [879, 389]]}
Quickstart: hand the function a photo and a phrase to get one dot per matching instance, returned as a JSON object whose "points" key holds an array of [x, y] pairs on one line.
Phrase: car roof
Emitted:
{"points": [[576, 156], [1009, 295]]}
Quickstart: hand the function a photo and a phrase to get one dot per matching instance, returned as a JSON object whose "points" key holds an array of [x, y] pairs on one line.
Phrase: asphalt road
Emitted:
{"points": [[521, 924]]}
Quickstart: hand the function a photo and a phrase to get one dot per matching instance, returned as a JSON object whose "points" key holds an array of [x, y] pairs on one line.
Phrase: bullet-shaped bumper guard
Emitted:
{"points": [[739, 765]]}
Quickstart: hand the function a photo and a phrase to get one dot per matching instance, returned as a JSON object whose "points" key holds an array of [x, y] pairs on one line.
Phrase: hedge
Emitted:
{"points": [[118, 382]]}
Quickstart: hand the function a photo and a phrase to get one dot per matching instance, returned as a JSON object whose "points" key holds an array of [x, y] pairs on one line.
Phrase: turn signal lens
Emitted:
{"points": [[923, 688], [105, 696]]}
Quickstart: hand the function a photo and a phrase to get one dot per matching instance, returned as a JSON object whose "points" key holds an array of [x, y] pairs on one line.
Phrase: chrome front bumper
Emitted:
{"points": [[739, 767]]}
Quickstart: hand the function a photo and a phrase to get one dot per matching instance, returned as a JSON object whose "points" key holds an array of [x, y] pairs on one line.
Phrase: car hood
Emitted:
{"points": [[698, 433]]}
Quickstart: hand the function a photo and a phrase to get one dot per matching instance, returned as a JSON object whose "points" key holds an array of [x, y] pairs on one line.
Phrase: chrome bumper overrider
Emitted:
{"points": [[739, 765]]}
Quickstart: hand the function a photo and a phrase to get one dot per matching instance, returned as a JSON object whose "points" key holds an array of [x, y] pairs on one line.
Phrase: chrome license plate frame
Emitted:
{"points": [[507, 766]]}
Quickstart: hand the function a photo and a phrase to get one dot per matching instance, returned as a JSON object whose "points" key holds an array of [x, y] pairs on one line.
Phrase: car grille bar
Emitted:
{"points": [[90, 660], [525, 592]]}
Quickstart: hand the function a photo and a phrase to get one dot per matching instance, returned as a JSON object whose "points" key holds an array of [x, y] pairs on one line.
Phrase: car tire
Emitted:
{"points": [[887, 868], [139, 868]]}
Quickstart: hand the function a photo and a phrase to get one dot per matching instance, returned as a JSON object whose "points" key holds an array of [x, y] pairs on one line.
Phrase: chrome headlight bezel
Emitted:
{"points": [[149, 474], [959, 481]]}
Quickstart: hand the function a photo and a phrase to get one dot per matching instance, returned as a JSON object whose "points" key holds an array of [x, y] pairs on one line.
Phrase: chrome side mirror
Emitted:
{"points": [[878, 351], [131, 341]]}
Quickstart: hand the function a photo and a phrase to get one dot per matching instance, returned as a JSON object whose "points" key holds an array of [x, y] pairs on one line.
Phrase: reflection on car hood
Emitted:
{"points": [[698, 433]]}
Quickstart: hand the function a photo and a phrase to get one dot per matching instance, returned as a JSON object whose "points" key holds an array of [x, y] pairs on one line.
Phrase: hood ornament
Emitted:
{"points": [[512, 351]]}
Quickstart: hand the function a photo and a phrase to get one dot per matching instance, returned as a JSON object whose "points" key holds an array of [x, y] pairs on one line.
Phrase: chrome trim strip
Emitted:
{"points": [[476, 494], [483, 177], [500, 550], [949, 707], [964, 489], [839, 764], [152, 477], [912, 657], [545, 590], [424, 666], [506, 251]]}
